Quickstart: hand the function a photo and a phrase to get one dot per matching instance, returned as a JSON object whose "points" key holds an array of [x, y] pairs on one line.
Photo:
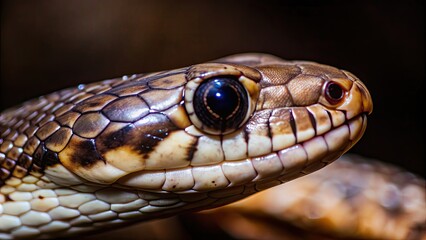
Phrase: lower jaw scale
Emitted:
{"points": [[263, 171]]}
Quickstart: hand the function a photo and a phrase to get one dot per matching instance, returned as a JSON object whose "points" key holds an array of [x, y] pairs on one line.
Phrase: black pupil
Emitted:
{"points": [[334, 91], [221, 103], [222, 98]]}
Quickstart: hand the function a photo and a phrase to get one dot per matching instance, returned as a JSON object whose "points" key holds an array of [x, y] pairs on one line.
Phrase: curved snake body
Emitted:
{"points": [[353, 198], [136, 148]]}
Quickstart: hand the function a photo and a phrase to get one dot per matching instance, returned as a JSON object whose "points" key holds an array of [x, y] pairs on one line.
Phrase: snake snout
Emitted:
{"points": [[358, 100], [367, 101]]}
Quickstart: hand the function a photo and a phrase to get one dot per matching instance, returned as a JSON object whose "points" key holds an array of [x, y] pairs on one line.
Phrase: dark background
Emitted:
{"points": [[48, 45]]}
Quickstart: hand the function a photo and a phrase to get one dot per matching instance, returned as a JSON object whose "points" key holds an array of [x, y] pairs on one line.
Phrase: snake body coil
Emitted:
{"points": [[152, 145]]}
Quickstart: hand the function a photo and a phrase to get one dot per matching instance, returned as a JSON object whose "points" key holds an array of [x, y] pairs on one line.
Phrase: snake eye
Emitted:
{"points": [[221, 104], [334, 92]]}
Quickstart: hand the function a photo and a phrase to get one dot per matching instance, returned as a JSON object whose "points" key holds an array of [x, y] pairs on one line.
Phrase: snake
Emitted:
{"points": [[355, 197], [140, 147]]}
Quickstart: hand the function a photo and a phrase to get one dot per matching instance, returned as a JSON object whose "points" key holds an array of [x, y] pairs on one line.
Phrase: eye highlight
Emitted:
{"points": [[334, 93], [220, 104]]}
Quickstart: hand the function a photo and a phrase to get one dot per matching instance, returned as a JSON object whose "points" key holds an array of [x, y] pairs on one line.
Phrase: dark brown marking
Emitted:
{"points": [[50, 158], [25, 161], [268, 125], [313, 121], [4, 174], [293, 125], [38, 155], [8, 199], [142, 136], [330, 117], [8, 164], [85, 153], [115, 139], [191, 150], [43, 157]]}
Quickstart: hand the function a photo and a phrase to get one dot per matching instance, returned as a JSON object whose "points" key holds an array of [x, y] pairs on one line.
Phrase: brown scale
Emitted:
{"points": [[86, 121], [30, 138]]}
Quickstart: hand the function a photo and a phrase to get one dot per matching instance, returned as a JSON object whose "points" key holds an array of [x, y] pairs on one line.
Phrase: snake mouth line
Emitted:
{"points": [[284, 165]]}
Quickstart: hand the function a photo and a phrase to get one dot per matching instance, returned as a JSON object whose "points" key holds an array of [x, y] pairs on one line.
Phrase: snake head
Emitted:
{"points": [[248, 119], [252, 118], [151, 145]]}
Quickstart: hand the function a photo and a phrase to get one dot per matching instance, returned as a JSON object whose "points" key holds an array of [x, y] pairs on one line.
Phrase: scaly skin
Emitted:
{"points": [[353, 198], [136, 148]]}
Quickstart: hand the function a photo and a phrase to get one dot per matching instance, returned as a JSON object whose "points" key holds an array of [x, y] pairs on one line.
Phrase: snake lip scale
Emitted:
{"points": [[140, 147], [355, 127]]}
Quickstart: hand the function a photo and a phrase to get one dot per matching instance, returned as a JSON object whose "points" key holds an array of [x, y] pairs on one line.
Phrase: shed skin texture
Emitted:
{"points": [[131, 149]]}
